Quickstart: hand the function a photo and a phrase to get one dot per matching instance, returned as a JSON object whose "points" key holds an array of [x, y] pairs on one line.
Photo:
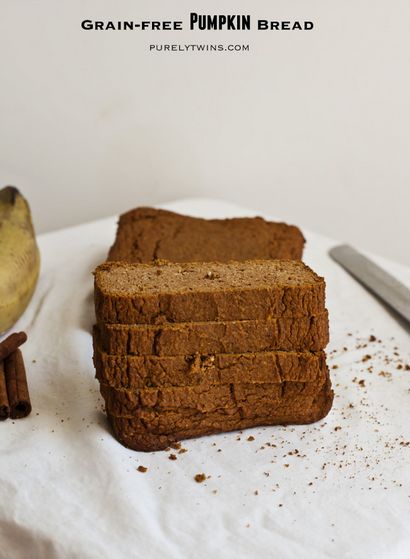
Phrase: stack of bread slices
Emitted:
{"points": [[193, 344]]}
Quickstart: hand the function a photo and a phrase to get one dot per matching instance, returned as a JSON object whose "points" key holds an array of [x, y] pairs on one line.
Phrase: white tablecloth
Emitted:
{"points": [[339, 488]]}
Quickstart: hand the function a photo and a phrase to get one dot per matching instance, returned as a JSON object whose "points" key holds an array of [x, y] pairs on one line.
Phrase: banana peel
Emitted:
{"points": [[19, 256]]}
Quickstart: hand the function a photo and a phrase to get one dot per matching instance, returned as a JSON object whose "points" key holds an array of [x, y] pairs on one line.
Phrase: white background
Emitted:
{"points": [[311, 127]]}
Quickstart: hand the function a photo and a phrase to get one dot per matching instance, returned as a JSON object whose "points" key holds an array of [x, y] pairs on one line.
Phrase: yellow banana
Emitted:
{"points": [[19, 256]]}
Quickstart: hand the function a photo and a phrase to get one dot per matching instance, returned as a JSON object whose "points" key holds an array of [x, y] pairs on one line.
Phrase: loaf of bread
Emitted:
{"points": [[148, 234], [201, 329], [200, 292]]}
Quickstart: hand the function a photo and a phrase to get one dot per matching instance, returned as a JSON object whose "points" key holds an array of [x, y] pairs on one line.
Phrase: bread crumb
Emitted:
{"points": [[199, 478], [142, 469], [172, 457]]}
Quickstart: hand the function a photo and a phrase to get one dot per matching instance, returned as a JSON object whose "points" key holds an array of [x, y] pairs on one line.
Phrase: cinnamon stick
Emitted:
{"points": [[4, 401], [11, 343], [17, 389]]}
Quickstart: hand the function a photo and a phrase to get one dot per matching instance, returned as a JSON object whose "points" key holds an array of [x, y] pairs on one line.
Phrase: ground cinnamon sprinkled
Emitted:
{"points": [[366, 358], [250, 438], [142, 469], [335, 366], [199, 478], [372, 338], [337, 428]]}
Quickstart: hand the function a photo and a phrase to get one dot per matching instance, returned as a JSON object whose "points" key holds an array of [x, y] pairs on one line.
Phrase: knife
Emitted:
{"points": [[380, 282]]}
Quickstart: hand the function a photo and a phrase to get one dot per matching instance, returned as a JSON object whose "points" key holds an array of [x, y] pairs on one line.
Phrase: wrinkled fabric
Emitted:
{"points": [[69, 490]]}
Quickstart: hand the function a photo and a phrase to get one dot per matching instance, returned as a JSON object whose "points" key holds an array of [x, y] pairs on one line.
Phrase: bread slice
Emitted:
{"points": [[147, 234], [201, 292], [206, 398], [153, 430], [135, 371], [307, 333]]}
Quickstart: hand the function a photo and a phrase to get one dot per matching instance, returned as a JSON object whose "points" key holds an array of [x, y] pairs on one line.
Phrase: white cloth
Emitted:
{"points": [[69, 490]]}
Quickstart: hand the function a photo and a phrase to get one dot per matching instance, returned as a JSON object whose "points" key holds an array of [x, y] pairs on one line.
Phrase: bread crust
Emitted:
{"points": [[156, 431], [310, 333], [132, 371], [207, 397], [146, 234]]}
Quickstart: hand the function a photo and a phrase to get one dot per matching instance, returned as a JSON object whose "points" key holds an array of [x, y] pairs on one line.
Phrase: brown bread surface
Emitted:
{"points": [[204, 398], [134, 371], [147, 234], [156, 430], [310, 333], [201, 292]]}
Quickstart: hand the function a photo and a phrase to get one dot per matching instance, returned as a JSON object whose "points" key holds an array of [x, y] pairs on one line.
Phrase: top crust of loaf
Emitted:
{"points": [[147, 234], [125, 279]]}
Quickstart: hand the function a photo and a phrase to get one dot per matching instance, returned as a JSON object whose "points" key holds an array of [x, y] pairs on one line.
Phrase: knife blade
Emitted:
{"points": [[380, 282]]}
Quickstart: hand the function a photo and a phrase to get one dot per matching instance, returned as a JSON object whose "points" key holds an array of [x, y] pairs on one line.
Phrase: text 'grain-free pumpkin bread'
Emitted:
{"points": [[147, 234], [206, 291]]}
